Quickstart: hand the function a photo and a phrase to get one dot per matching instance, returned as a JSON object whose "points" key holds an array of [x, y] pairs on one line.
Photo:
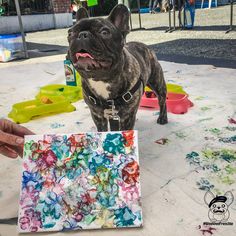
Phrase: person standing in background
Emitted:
{"points": [[153, 6]]}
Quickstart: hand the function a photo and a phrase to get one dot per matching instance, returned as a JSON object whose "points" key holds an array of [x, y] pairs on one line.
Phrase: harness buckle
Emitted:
{"points": [[127, 96], [111, 103]]}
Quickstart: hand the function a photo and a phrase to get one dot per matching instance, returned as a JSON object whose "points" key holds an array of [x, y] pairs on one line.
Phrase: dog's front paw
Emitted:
{"points": [[162, 120]]}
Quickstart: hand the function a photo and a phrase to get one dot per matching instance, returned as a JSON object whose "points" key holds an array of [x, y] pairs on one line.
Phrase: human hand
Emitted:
{"points": [[12, 138]]}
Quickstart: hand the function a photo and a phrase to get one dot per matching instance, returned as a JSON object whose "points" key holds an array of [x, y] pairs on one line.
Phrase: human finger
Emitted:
{"points": [[11, 139], [8, 126], [8, 152], [20, 130], [17, 149]]}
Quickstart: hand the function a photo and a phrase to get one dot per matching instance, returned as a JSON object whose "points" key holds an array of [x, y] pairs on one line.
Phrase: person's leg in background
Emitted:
{"points": [[150, 6], [159, 4], [155, 5]]}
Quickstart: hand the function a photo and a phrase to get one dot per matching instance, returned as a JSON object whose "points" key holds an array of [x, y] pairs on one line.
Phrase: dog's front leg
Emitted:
{"points": [[128, 121], [100, 122], [157, 83]]}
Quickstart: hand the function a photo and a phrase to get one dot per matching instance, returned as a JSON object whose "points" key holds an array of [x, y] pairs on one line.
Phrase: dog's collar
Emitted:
{"points": [[123, 99]]}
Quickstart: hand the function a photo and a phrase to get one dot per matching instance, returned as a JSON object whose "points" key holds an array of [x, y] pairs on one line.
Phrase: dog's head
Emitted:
{"points": [[95, 44]]}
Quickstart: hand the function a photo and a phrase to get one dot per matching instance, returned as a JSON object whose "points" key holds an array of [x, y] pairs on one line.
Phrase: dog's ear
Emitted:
{"points": [[230, 198], [81, 14], [119, 17], [208, 197]]}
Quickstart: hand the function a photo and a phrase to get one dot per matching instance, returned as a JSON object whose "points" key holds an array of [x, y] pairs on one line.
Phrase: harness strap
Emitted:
{"points": [[123, 99]]}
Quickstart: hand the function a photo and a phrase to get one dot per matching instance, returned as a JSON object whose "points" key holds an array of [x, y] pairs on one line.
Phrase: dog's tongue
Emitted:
{"points": [[84, 55]]}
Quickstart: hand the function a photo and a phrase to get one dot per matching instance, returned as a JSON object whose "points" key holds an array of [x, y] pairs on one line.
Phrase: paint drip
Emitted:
{"points": [[162, 141], [232, 121]]}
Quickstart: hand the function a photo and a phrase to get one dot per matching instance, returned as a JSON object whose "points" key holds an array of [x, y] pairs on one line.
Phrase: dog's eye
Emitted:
{"points": [[70, 33], [105, 32], [223, 205], [214, 205]]}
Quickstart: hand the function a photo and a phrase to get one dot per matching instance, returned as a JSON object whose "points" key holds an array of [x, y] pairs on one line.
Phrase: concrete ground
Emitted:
{"points": [[179, 161], [207, 43]]}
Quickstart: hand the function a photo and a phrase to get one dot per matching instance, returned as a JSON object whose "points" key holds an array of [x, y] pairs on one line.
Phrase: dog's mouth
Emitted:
{"points": [[83, 54], [85, 60]]}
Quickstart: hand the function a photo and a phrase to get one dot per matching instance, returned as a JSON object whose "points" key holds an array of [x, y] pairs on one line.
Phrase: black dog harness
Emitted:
{"points": [[110, 112]]}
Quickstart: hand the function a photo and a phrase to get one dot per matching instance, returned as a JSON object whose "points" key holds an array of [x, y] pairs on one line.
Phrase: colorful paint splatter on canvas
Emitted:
{"points": [[80, 181]]}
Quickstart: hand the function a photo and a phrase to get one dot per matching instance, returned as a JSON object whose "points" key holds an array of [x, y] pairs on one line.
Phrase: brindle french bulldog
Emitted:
{"points": [[114, 73]]}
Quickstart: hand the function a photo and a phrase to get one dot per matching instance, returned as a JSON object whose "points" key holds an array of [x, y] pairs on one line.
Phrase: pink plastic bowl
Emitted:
{"points": [[176, 103]]}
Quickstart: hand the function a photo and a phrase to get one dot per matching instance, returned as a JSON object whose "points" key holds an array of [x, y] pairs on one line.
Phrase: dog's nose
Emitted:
{"points": [[218, 207], [83, 35]]}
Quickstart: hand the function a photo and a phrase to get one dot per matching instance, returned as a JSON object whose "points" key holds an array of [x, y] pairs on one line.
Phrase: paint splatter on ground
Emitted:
{"points": [[210, 138], [199, 98], [219, 133], [232, 121], [227, 155], [230, 128], [205, 108], [206, 230], [180, 135], [171, 81], [56, 125], [216, 165], [162, 141], [78, 122], [205, 119], [156, 113], [215, 131], [231, 140], [204, 184], [193, 158]]}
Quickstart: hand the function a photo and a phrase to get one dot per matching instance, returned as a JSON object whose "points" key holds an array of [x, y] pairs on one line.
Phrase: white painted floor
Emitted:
{"points": [[173, 186]]}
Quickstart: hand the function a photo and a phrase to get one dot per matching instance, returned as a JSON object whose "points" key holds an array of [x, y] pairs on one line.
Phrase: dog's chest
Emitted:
{"points": [[100, 88]]}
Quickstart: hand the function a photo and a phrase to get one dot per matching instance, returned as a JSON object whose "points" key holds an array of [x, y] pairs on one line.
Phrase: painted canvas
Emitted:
{"points": [[80, 181]]}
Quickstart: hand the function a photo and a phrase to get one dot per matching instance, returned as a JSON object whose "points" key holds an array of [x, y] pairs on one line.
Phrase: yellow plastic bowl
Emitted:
{"points": [[24, 111], [171, 88]]}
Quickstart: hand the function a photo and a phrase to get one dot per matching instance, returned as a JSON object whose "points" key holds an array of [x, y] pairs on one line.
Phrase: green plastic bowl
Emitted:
{"points": [[71, 93]]}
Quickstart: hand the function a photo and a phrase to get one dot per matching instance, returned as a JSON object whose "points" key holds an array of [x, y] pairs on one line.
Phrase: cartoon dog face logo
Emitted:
{"points": [[218, 206]]}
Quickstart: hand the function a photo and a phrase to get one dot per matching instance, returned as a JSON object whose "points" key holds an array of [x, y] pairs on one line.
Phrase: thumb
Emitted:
{"points": [[11, 139]]}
